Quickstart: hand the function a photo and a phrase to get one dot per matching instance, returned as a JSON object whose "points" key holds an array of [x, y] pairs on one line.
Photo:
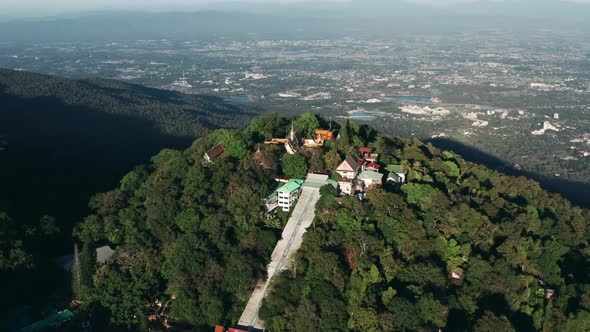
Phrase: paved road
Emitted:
{"points": [[292, 237]]}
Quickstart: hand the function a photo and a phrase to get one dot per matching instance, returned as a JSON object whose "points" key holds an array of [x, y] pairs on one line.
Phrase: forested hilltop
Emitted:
{"points": [[61, 141], [458, 246]]}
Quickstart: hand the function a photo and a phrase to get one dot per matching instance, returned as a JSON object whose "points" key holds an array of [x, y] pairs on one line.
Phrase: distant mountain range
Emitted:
{"points": [[376, 18]]}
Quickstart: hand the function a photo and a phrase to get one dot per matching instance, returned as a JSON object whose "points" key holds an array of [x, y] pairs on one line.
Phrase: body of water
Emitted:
{"points": [[242, 99], [360, 115], [415, 99]]}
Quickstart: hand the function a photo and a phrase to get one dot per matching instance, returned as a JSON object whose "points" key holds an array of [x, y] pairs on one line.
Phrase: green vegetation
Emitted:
{"points": [[386, 263], [294, 165], [12, 255], [61, 141], [189, 234], [169, 112], [64, 140], [195, 236], [307, 123]]}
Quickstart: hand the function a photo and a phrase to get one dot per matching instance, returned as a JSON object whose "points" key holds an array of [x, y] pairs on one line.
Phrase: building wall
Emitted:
{"points": [[286, 200], [403, 177], [347, 174], [346, 187]]}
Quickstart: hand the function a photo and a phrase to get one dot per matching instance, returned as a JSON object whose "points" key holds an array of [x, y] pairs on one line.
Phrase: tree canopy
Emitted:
{"points": [[307, 123], [458, 246]]}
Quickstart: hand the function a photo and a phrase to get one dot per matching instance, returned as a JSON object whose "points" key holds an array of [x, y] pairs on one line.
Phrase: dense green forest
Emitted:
{"points": [[185, 233], [385, 263], [75, 138], [459, 246], [61, 141]]}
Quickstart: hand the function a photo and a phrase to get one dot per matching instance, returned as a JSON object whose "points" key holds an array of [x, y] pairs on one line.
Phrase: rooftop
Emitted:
{"points": [[393, 176], [351, 162], [395, 168], [371, 175], [216, 151], [104, 254], [316, 180], [373, 165], [366, 150], [290, 186]]}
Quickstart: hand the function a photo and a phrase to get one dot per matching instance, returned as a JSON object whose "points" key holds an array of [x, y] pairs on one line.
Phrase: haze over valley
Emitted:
{"points": [[364, 165], [491, 85]]}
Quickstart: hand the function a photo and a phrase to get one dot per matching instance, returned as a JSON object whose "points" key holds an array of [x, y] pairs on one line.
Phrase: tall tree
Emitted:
{"points": [[332, 159], [294, 166], [344, 137], [307, 123]]}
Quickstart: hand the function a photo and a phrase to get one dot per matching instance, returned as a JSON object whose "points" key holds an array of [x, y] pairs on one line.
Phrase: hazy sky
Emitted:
{"points": [[50, 7]]}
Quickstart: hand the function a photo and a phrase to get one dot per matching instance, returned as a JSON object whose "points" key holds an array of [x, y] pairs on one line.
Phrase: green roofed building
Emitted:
{"points": [[50, 324], [288, 193], [316, 180], [396, 174], [371, 179]]}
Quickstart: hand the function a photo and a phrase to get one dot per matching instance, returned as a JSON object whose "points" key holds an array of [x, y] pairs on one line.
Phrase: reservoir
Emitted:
{"points": [[242, 99], [414, 99], [360, 115]]}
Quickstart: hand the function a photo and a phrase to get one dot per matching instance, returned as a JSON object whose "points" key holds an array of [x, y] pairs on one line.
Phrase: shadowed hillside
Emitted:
{"points": [[62, 140], [577, 192]]}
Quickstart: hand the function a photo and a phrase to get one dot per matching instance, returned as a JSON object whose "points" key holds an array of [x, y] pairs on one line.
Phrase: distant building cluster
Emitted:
{"points": [[546, 126]]}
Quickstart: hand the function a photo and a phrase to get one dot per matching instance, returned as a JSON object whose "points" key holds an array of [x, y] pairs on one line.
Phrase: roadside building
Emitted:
{"points": [[321, 136], [289, 193], [456, 276], [213, 153], [314, 180], [365, 151], [271, 202], [52, 323]]}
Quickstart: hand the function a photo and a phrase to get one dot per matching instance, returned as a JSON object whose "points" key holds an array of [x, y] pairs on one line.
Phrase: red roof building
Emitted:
{"points": [[215, 152], [368, 155], [365, 150], [324, 134], [372, 167], [231, 329]]}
